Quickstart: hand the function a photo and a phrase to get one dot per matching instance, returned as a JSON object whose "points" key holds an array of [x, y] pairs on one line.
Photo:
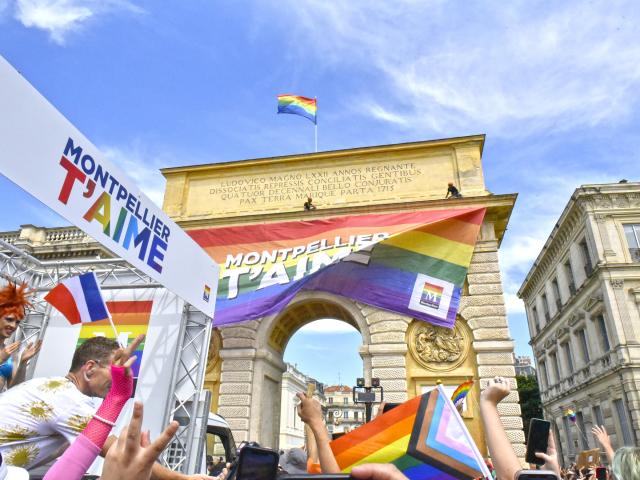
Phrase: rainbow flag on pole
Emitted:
{"points": [[297, 105], [424, 437], [461, 392], [412, 263]]}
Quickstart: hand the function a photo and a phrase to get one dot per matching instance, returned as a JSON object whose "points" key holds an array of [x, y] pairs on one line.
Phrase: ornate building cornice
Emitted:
{"points": [[55, 243], [601, 201]]}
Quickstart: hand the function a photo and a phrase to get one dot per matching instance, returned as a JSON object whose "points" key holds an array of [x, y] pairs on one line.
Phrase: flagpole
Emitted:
{"points": [[316, 124], [115, 332]]}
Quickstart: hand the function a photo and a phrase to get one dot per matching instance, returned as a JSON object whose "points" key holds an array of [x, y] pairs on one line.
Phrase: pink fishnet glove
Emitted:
{"points": [[121, 388]]}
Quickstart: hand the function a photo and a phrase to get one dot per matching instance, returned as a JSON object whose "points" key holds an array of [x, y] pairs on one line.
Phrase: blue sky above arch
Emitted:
{"points": [[555, 87]]}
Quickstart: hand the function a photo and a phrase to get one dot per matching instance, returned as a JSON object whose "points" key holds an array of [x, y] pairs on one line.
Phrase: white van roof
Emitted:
{"points": [[216, 420]]}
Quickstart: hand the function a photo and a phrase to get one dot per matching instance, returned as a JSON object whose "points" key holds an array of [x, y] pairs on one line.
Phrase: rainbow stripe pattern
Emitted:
{"points": [[130, 317], [461, 392], [413, 263], [297, 105], [424, 437]]}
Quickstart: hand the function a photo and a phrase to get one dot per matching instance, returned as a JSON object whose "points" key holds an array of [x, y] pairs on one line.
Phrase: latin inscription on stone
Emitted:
{"points": [[325, 186]]}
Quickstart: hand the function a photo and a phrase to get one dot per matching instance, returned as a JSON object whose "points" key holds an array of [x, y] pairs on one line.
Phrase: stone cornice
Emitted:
{"points": [[331, 154], [55, 243], [499, 208], [605, 199]]}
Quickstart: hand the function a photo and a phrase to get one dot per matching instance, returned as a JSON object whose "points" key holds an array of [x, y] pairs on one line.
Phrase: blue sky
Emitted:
{"points": [[553, 85]]}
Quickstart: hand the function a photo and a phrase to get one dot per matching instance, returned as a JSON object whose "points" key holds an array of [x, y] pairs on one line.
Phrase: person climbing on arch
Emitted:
{"points": [[308, 205], [452, 191]]}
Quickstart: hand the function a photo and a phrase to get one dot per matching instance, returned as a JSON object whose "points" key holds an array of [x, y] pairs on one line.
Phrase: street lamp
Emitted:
{"points": [[367, 395]]}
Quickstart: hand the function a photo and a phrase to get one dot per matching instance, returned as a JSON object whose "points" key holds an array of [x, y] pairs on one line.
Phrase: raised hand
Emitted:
{"points": [[603, 438], [133, 454], [309, 411], [123, 356], [31, 351], [550, 457], [7, 351], [497, 389]]}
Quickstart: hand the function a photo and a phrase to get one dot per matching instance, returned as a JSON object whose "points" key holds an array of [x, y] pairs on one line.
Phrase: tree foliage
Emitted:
{"points": [[530, 403]]}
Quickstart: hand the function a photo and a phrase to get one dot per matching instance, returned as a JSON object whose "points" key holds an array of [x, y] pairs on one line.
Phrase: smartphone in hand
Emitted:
{"points": [[255, 463], [601, 473], [538, 440]]}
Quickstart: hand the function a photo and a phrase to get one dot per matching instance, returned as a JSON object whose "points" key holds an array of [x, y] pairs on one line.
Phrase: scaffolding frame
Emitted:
{"points": [[185, 401]]}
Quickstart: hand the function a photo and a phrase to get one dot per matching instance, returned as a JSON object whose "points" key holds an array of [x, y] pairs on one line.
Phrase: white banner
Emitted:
{"points": [[43, 153]]}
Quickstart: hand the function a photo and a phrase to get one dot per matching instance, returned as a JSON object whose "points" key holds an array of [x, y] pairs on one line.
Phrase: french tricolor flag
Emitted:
{"points": [[79, 299]]}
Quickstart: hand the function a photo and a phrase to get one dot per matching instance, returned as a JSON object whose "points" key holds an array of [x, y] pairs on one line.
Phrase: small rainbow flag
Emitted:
{"points": [[461, 392], [297, 105], [130, 318], [424, 437], [571, 415]]}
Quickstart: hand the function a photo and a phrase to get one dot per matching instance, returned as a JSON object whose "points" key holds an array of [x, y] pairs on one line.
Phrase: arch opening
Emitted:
{"points": [[320, 342]]}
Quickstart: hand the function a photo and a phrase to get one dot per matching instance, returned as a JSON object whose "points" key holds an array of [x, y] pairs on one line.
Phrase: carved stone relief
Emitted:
{"points": [[439, 348]]}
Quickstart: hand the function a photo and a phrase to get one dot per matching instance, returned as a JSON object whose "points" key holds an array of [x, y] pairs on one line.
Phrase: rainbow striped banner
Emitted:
{"points": [[424, 437], [297, 105], [412, 263], [130, 317]]}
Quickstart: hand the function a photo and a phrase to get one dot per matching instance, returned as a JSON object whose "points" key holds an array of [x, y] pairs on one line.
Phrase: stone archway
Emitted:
{"points": [[378, 179], [252, 364]]}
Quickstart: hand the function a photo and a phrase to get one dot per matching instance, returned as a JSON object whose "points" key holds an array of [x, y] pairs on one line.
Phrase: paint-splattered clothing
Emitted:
{"points": [[39, 418]]}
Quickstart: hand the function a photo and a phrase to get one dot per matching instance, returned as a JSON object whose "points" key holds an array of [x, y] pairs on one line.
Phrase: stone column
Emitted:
{"points": [[484, 310], [388, 349], [237, 377]]}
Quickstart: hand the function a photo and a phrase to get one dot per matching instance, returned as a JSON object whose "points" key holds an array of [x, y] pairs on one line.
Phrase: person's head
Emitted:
{"points": [[293, 460], [451, 184], [91, 366], [626, 463], [13, 302]]}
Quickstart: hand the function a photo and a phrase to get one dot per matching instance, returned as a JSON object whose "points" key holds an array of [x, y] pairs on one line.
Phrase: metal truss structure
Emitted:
{"points": [[186, 402]]}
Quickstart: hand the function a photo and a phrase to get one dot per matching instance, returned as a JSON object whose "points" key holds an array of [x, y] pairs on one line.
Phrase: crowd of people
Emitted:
{"points": [[52, 421]]}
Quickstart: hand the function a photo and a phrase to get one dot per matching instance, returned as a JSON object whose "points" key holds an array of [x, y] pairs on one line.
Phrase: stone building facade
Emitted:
{"points": [[291, 427], [582, 297], [342, 414]]}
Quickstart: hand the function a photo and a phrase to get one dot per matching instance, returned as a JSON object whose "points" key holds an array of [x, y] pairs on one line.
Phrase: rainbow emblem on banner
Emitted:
{"points": [[431, 295], [131, 318], [412, 263], [206, 295], [424, 437]]}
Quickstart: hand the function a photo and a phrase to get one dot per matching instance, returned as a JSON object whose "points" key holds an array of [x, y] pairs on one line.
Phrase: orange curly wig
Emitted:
{"points": [[14, 301]]}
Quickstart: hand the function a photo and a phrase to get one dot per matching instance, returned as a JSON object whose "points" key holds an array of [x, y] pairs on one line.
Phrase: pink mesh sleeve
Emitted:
{"points": [[75, 461], [121, 388]]}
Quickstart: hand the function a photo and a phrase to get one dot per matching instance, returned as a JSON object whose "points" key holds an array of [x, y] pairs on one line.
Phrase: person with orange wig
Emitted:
{"points": [[13, 304]]}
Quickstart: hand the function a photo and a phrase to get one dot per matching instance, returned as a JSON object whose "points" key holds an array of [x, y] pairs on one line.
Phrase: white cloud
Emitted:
{"points": [[328, 326], [142, 167], [61, 17], [509, 69], [513, 304]]}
